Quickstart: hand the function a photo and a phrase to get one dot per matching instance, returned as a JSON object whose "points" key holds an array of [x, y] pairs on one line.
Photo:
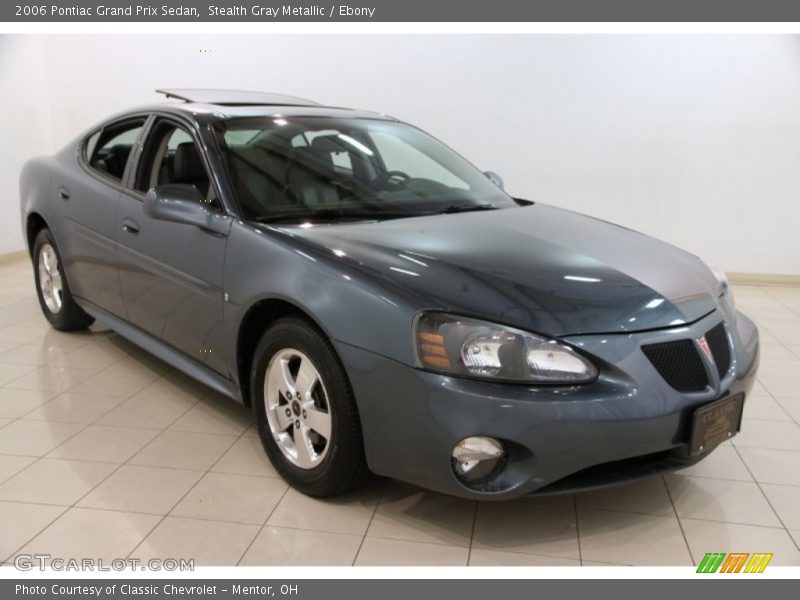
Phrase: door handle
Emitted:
{"points": [[63, 193], [130, 226]]}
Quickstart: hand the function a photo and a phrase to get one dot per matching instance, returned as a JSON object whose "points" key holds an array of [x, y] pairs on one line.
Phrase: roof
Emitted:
{"points": [[209, 105], [235, 97]]}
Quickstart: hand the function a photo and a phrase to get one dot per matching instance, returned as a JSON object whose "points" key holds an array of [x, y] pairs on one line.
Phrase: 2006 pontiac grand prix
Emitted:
{"points": [[381, 304]]}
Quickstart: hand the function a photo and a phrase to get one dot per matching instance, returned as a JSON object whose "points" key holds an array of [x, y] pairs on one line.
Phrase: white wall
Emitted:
{"points": [[694, 139], [25, 128]]}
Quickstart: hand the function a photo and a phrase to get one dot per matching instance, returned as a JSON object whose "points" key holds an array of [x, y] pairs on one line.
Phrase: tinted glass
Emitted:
{"points": [[90, 145], [351, 167], [171, 157], [109, 150]]}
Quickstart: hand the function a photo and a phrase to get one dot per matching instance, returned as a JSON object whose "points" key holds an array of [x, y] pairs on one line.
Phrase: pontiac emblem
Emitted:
{"points": [[705, 348]]}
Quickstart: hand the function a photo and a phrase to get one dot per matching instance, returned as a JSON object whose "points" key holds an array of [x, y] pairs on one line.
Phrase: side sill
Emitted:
{"points": [[159, 349]]}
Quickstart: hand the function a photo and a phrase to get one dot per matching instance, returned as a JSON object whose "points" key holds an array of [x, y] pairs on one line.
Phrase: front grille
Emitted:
{"points": [[720, 348], [679, 364]]}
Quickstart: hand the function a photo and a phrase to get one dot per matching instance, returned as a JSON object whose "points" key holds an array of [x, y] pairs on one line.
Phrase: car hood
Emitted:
{"points": [[536, 267]]}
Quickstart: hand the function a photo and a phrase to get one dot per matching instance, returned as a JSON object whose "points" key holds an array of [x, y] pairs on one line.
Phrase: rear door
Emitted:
{"points": [[172, 273], [86, 207]]}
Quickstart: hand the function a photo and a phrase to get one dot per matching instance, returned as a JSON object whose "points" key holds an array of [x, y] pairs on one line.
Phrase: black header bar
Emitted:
{"points": [[204, 11]]}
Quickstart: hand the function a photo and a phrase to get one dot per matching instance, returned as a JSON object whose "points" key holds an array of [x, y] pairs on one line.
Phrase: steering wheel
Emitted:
{"points": [[391, 177]]}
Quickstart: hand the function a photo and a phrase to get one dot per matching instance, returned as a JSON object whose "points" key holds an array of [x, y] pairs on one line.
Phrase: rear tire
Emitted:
{"points": [[301, 394], [55, 299]]}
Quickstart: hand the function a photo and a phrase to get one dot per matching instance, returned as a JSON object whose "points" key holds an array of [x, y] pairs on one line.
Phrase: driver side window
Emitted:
{"points": [[171, 156]]}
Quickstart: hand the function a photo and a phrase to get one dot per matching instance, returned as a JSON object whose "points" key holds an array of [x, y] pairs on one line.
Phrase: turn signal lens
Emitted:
{"points": [[469, 347], [432, 351]]}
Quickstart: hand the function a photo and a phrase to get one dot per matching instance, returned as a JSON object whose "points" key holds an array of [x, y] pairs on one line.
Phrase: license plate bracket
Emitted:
{"points": [[714, 423]]}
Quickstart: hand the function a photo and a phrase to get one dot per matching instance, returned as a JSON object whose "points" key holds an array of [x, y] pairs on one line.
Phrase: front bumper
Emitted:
{"points": [[629, 423]]}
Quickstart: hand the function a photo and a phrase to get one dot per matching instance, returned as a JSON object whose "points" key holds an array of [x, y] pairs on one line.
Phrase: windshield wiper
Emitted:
{"points": [[330, 214], [459, 208]]}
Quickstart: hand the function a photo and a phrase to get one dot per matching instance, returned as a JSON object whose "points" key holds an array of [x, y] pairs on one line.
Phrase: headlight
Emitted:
{"points": [[473, 348]]}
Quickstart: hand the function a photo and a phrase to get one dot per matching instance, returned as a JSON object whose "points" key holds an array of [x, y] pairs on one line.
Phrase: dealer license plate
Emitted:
{"points": [[714, 423]]}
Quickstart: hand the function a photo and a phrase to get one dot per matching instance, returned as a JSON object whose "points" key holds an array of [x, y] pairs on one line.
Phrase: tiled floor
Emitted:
{"points": [[106, 452]]}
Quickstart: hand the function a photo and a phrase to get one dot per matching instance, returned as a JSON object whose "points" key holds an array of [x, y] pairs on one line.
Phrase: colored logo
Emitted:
{"points": [[734, 562], [705, 348]]}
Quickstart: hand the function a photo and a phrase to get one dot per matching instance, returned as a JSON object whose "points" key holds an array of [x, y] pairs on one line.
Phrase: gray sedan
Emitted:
{"points": [[382, 305]]}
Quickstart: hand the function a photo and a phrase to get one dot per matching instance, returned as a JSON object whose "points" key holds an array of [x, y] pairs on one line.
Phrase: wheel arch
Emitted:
{"points": [[34, 223], [252, 326]]}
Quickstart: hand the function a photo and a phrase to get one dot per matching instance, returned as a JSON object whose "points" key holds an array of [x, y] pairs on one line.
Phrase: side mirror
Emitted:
{"points": [[183, 204], [494, 178]]}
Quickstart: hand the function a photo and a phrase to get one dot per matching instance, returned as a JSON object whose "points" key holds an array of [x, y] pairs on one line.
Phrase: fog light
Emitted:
{"points": [[478, 459]]}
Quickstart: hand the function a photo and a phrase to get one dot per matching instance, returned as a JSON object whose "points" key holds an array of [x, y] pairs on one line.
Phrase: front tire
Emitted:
{"points": [[55, 299], [305, 410]]}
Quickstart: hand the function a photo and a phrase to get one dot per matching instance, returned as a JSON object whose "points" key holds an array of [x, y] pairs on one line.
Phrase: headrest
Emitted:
{"points": [[310, 156], [121, 152], [188, 166], [328, 144]]}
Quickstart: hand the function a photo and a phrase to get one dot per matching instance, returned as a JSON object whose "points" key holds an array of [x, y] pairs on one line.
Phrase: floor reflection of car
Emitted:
{"points": [[381, 304]]}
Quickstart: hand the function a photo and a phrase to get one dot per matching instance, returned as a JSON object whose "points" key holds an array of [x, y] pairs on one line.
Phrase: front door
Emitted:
{"points": [[172, 273]]}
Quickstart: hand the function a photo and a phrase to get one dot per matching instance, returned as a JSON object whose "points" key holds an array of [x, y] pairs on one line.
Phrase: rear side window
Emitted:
{"points": [[90, 145], [108, 150]]}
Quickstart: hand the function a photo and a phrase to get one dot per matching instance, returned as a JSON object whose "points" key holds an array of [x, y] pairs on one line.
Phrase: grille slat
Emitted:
{"points": [[679, 364], [720, 348]]}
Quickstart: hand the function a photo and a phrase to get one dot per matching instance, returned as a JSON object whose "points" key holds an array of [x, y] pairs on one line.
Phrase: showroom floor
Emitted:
{"points": [[106, 452]]}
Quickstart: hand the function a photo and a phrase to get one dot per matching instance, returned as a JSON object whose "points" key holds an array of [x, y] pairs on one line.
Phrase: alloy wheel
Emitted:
{"points": [[50, 282], [297, 408]]}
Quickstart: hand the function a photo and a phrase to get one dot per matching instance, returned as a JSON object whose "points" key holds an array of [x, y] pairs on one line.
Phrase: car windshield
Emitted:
{"points": [[288, 169]]}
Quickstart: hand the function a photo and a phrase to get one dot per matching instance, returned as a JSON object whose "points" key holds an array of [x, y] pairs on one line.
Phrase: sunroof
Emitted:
{"points": [[235, 97]]}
